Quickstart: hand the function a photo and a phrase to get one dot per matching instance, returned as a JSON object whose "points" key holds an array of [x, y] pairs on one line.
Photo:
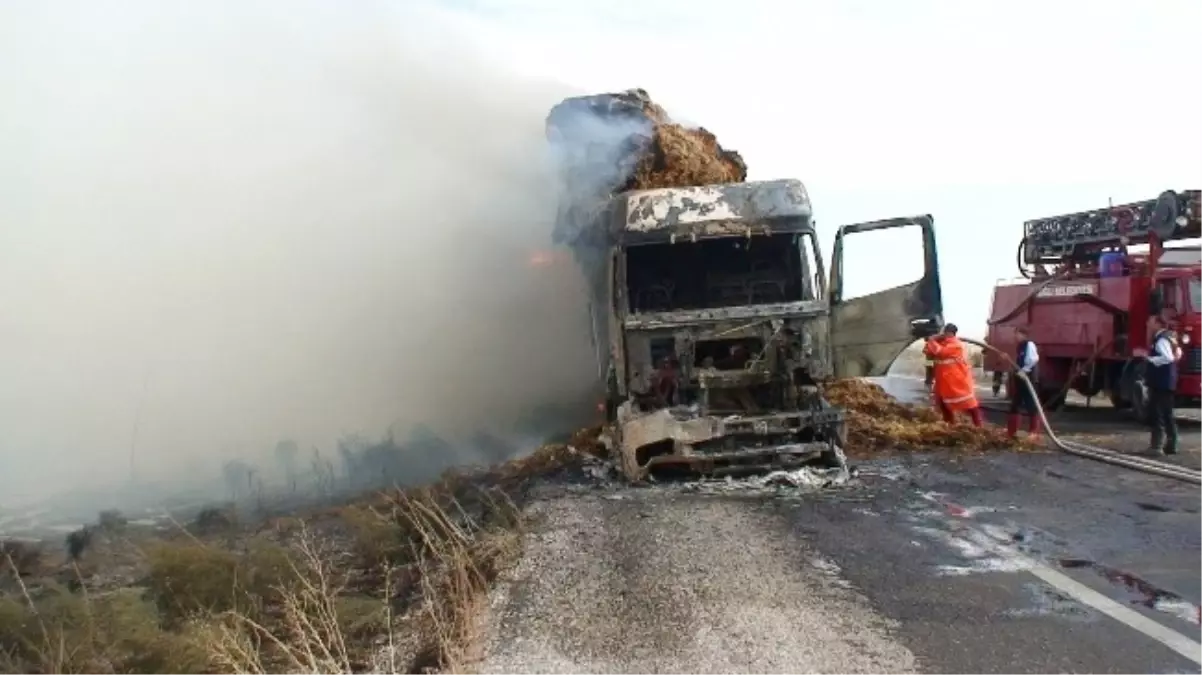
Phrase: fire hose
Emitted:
{"points": [[1144, 464]]}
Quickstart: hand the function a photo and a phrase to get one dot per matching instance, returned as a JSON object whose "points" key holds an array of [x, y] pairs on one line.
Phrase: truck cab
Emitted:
{"points": [[1177, 296], [717, 321]]}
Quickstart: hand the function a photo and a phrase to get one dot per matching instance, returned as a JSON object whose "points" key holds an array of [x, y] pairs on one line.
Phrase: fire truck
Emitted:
{"points": [[1091, 281]]}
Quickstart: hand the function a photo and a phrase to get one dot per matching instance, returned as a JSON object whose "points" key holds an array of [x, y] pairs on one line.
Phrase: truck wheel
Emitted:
{"points": [[1052, 399], [1139, 404], [1136, 387], [1116, 399]]}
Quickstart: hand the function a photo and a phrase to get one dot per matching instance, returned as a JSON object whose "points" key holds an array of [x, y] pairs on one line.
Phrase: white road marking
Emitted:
{"points": [[1166, 636], [980, 542]]}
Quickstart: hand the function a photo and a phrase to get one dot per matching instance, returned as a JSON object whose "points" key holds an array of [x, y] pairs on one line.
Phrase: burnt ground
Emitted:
{"points": [[925, 563]]}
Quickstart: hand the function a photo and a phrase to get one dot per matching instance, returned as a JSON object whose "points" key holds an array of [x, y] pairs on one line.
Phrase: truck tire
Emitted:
{"points": [[1116, 399], [1052, 399], [1135, 388], [1140, 408]]}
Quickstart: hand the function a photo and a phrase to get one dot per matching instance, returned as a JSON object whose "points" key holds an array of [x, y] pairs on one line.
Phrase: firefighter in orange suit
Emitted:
{"points": [[954, 387]]}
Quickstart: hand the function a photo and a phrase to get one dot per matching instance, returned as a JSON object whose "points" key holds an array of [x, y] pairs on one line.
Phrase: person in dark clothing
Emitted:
{"points": [[1022, 402], [1161, 377]]}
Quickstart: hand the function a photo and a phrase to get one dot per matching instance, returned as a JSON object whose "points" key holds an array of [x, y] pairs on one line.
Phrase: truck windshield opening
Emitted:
{"points": [[715, 273]]}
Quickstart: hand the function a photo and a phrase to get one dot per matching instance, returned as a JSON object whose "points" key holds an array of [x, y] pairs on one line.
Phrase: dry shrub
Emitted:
{"points": [[378, 541], [214, 519], [307, 628], [433, 560], [115, 632], [457, 561], [23, 558], [191, 578], [877, 422], [112, 520]]}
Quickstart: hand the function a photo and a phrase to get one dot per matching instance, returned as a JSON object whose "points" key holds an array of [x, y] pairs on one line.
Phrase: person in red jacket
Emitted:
{"points": [[955, 390]]}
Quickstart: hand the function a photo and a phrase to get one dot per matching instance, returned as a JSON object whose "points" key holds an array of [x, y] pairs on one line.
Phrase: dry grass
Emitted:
{"points": [[392, 582]]}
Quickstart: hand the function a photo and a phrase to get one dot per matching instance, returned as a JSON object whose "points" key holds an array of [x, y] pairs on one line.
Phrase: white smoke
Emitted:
{"points": [[258, 220]]}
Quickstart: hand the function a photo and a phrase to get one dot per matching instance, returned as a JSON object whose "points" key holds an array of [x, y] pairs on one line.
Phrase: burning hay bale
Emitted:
{"points": [[682, 157], [611, 143], [877, 422]]}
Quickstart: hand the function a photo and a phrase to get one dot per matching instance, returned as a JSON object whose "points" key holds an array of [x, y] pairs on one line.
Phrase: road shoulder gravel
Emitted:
{"points": [[649, 580]]}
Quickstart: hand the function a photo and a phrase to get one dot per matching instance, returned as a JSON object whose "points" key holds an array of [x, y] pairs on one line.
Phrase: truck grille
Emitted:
{"points": [[1191, 361]]}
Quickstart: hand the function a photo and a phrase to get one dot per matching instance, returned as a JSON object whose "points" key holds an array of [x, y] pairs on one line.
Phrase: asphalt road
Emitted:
{"points": [[924, 563]]}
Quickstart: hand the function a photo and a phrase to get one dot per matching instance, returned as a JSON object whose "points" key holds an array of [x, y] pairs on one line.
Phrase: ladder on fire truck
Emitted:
{"points": [[1078, 238]]}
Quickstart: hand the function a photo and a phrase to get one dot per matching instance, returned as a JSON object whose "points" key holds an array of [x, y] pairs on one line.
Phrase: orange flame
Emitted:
{"points": [[544, 258]]}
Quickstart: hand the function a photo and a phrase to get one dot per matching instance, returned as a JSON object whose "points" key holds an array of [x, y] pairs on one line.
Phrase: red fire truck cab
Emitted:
{"points": [[1091, 281]]}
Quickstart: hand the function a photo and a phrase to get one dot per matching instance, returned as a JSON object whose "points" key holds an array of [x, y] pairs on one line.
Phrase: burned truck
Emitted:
{"points": [[715, 324]]}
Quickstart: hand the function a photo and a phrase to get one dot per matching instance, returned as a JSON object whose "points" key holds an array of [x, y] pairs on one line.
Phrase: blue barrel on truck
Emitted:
{"points": [[1110, 264]]}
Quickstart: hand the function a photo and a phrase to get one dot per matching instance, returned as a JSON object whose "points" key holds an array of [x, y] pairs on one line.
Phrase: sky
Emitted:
{"points": [[221, 221], [983, 114]]}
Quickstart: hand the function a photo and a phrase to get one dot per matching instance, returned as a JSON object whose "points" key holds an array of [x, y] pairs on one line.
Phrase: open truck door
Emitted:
{"points": [[868, 333]]}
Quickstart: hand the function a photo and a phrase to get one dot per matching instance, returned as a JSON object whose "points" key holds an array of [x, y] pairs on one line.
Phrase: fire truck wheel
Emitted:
{"points": [[1139, 405], [1052, 399], [1116, 399], [1137, 391]]}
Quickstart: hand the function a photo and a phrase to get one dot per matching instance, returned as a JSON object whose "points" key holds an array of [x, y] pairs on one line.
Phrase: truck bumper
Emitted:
{"points": [[682, 441]]}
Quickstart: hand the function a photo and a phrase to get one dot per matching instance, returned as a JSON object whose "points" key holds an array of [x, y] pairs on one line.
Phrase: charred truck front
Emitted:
{"points": [[715, 325]]}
